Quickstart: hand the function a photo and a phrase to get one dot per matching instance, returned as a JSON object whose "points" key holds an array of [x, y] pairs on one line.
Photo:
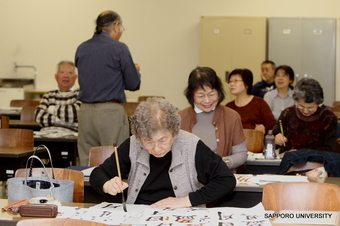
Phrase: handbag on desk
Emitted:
{"points": [[27, 187]]}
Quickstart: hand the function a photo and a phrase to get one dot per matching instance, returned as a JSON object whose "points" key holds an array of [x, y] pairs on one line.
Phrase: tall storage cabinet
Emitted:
{"points": [[308, 45], [227, 43]]}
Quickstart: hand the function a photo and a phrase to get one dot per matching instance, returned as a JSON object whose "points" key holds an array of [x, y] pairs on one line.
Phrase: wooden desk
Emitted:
{"points": [[244, 196], [19, 124], [12, 159], [247, 196], [13, 115], [63, 150], [32, 93], [262, 166], [8, 219]]}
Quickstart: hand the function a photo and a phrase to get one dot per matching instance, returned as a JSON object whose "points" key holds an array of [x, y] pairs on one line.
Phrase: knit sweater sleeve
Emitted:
{"points": [[330, 137], [214, 174], [238, 156], [108, 169], [64, 113]]}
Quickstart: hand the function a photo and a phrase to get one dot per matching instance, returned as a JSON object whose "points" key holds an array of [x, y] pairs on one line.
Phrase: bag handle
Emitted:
{"points": [[49, 178], [49, 155]]}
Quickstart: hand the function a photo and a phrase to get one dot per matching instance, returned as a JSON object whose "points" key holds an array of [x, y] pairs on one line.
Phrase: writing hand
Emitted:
{"points": [[280, 139], [172, 202], [114, 186]]}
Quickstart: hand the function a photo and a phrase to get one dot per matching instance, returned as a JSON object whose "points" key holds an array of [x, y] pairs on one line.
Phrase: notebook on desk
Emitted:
{"points": [[87, 172], [264, 179], [85, 169]]}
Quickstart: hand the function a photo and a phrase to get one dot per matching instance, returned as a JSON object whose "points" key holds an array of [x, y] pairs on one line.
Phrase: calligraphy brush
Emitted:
{"points": [[119, 175], [284, 144]]}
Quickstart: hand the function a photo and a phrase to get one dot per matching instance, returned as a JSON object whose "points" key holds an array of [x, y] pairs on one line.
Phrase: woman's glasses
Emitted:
{"points": [[152, 144], [235, 81], [307, 109], [201, 96]]}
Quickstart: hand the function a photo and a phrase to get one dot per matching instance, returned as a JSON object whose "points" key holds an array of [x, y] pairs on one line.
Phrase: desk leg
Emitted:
{"points": [[3, 187]]}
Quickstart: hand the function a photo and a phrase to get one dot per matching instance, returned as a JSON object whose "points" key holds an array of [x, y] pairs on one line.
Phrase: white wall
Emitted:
{"points": [[163, 35]]}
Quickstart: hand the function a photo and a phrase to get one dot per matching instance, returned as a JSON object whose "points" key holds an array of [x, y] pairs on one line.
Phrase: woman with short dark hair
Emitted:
{"points": [[281, 97], [254, 111], [218, 126]]}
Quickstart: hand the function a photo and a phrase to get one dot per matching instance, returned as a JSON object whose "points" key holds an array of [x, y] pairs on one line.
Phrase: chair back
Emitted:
{"points": [[24, 103], [254, 140], [144, 98], [336, 103], [16, 138], [98, 154], [301, 196], [4, 122], [335, 108], [57, 222], [60, 174], [27, 113], [130, 108]]}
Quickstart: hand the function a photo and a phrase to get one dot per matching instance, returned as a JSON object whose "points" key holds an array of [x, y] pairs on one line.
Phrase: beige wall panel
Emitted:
{"points": [[233, 42]]}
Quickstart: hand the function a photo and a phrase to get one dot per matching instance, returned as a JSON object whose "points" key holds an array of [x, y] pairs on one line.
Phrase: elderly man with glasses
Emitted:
{"points": [[105, 69]]}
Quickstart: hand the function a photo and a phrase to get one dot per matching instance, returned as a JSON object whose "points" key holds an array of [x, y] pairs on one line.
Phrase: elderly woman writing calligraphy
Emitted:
{"points": [[307, 125], [165, 166]]}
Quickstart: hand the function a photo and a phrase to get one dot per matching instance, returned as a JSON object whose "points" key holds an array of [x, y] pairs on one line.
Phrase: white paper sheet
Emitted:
{"points": [[265, 179], [87, 172], [206, 216]]}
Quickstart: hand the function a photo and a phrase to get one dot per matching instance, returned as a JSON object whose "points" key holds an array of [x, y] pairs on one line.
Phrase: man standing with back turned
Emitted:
{"points": [[105, 69]]}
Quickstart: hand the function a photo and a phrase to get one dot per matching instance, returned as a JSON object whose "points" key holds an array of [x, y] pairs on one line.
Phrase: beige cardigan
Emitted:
{"points": [[228, 125]]}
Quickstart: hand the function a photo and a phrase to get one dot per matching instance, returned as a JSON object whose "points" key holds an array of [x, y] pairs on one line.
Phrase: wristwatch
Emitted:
{"points": [[226, 160]]}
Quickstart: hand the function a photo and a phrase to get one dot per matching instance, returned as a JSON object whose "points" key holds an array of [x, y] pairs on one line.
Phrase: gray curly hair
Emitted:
{"points": [[154, 115], [309, 90]]}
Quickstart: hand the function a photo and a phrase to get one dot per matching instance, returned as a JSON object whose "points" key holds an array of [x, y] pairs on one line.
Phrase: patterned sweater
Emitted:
{"points": [[59, 109], [316, 132]]}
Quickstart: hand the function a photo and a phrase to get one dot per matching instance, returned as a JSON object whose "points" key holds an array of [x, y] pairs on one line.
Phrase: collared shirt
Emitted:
{"points": [[276, 103], [105, 70], [71, 89], [198, 110]]}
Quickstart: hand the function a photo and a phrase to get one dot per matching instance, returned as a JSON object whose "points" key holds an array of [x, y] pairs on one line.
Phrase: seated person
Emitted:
{"points": [[207, 118], [307, 125], [58, 109], [267, 83], [254, 111], [281, 97], [166, 167]]}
